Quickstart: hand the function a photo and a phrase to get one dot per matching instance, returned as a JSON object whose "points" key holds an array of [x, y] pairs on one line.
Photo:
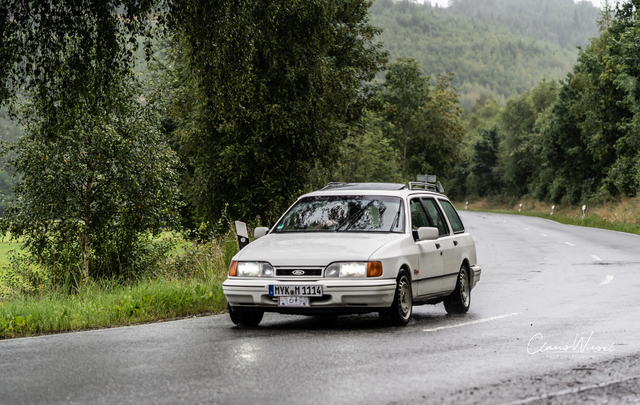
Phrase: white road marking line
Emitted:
{"points": [[570, 244], [493, 318], [570, 391], [543, 234], [527, 229], [608, 279], [596, 258]]}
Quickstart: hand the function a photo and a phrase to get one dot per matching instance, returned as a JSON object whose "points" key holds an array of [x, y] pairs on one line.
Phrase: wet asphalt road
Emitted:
{"points": [[554, 319]]}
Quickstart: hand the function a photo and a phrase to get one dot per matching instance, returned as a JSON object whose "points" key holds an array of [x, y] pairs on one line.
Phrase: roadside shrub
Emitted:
{"points": [[207, 261], [28, 275], [23, 277]]}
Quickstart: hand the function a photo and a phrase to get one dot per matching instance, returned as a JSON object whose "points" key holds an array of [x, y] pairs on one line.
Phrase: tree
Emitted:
{"points": [[281, 83], [520, 157], [437, 149], [590, 143], [622, 70], [424, 123], [484, 179], [93, 186], [406, 92], [97, 178], [484, 114], [367, 155]]}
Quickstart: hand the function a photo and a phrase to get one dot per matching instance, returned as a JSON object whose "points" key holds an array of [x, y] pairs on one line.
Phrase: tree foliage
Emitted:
{"points": [[37, 37], [592, 140], [483, 180], [407, 92], [97, 178], [281, 84], [580, 139], [367, 154], [521, 151], [95, 184], [423, 121], [503, 147], [9, 132]]}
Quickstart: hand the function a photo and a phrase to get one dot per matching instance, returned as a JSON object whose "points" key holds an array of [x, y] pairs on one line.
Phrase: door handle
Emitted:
{"points": [[455, 243], [437, 246]]}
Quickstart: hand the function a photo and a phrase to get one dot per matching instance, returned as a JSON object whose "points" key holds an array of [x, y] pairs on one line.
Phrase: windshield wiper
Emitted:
{"points": [[394, 224], [353, 217]]}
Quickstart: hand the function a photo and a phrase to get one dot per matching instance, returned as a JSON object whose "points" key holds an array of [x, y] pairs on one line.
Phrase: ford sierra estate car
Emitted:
{"points": [[357, 248]]}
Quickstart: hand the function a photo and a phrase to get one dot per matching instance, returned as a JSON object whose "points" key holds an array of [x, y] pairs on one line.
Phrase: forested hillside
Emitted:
{"points": [[573, 142], [499, 48]]}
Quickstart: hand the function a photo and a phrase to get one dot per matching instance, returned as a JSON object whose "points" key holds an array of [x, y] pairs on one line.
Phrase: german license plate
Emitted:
{"points": [[293, 301], [295, 290]]}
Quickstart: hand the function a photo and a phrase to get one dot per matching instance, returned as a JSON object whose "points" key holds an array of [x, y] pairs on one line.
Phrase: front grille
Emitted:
{"points": [[297, 272]]}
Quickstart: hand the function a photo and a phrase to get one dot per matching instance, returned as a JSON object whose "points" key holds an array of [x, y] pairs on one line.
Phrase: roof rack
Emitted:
{"points": [[426, 182], [364, 186], [422, 183]]}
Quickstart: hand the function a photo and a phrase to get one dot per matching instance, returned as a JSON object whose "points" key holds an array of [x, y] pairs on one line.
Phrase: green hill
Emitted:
{"points": [[495, 47]]}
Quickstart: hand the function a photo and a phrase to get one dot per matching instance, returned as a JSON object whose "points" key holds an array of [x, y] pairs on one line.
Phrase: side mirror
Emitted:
{"points": [[243, 235], [428, 233], [260, 232]]}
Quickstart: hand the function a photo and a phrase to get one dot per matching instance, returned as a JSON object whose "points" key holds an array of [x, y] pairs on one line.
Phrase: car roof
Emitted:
{"points": [[381, 189], [365, 186]]}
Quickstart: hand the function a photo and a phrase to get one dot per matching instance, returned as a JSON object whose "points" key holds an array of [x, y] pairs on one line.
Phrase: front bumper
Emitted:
{"points": [[477, 272], [339, 295]]}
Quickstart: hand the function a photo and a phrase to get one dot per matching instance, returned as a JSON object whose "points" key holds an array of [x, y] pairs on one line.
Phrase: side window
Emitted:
{"points": [[452, 214], [418, 216], [436, 216]]}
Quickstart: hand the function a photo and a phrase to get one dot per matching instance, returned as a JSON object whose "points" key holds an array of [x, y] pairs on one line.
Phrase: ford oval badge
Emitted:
{"points": [[298, 272]]}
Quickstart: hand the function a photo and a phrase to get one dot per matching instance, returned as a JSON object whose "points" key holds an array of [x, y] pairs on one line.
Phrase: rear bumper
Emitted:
{"points": [[477, 272], [339, 296]]}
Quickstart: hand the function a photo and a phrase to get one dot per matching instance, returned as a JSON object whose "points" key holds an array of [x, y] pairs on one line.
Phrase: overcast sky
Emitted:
{"points": [[445, 2]]}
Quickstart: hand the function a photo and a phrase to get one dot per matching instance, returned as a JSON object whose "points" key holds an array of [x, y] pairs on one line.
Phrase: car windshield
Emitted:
{"points": [[344, 214]]}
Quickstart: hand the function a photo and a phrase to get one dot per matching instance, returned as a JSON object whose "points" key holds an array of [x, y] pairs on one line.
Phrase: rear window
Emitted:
{"points": [[436, 216], [452, 214]]}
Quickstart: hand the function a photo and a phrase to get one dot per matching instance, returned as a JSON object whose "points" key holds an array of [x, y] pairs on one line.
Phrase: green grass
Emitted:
{"points": [[100, 306], [591, 221], [190, 283]]}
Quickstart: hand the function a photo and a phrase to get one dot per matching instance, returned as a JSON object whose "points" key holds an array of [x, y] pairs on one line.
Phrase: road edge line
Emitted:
{"points": [[493, 318]]}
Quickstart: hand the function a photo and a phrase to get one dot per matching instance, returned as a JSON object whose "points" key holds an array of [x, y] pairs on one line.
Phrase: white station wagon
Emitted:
{"points": [[357, 248]]}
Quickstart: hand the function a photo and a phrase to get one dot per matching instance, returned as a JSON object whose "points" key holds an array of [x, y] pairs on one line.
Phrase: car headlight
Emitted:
{"points": [[354, 269], [251, 269]]}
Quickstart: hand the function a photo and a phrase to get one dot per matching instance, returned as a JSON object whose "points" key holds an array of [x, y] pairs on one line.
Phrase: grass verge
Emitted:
{"points": [[591, 221], [97, 306], [189, 283]]}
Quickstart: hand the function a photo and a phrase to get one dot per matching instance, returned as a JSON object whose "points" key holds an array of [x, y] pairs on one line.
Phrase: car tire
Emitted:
{"points": [[460, 299], [400, 311], [245, 318]]}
